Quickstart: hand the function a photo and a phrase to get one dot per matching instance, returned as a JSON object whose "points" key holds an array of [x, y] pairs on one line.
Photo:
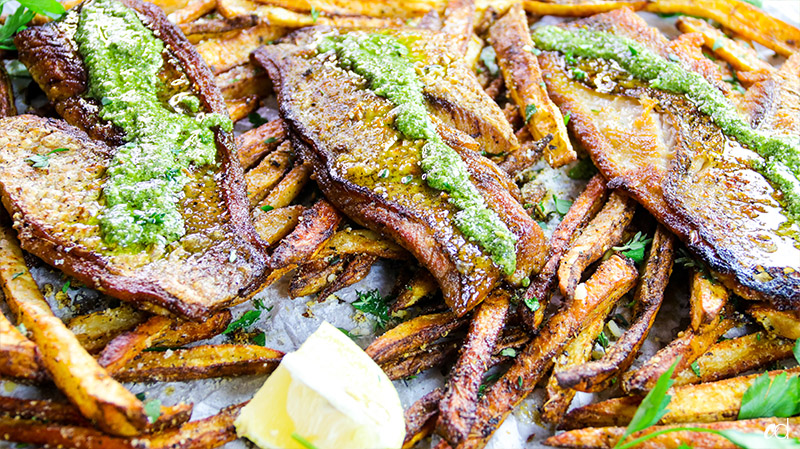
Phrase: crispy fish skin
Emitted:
{"points": [[220, 259], [708, 196], [345, 132]]}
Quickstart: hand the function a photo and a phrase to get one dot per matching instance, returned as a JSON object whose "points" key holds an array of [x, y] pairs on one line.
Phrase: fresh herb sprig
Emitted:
{"points": [[768, 397], [17, 21], [373, 303], [249, 317], [634, 248]]}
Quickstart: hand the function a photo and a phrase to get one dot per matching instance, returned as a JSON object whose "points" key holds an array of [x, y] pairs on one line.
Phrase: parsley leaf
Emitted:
{"points": [[260, 339], [152, 409], [256, 119], [65, 287], [246, 320], [529, 111], [373, 303], [532, 303], [16, 275], [566, 118], [346, 332], [489, 59], [778, 397], [39, 160], [634, 248], [269, 140], [314, 14], [603, 340], [796, 349], [562, 206], [695, 368], [509, 352], [584, 169], [653, 406]]}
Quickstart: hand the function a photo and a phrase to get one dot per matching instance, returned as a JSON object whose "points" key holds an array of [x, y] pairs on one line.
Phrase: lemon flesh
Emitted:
{"points": [[329, 393]]}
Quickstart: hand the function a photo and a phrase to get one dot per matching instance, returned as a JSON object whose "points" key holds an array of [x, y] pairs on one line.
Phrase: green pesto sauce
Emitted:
{"points": [[385, 63], [147, 175], [780, 162]]}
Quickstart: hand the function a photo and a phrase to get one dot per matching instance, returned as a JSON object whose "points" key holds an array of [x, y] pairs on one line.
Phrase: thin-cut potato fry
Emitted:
{"points": [[128, 345], [613, 278], [608, 437], [707, 300], [255, 143], [739, 16], [412, 334], [268, 173], [362, 241], [170, 6], [288, 188], [239, 108], [457, 407], [7, 107], [524, 157], [373, 8], [421, 285], [511, 40], [203, 29], [582, 210], [274, 225], [357, 268], [313, 276], [420, 418], [578, 351], [200, 362], [594, 376], [706, 402], [742, 58], [211, 432], [19, 358], [183, 332], [785, 323], [580, 8], [243, 81], [95, 330], [287, 18], [317, 224], [459, 17], [604, 231], [193, 10], [76, 373], [731, 357], [224, 54], [432, 356]]}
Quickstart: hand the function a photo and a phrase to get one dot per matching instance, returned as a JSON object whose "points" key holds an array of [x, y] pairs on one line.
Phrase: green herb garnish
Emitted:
{"points": [[529, 111], [16, 275], [566, 118], [256, 119], [373, 303], [509, 352], [778, 397], [584, 169], [65, 287], [562, 206], [260, 339], [267, 208], [603, 340], [269, 140], [532, 303], [695, 368], [152, 409], [246, 320], [314, 14], [302, 441], [634, 248]]}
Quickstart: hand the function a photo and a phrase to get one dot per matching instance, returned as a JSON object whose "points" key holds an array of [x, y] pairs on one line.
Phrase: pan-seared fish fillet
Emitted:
{"points": [[56, 204], [679, 164], [369, 171]]}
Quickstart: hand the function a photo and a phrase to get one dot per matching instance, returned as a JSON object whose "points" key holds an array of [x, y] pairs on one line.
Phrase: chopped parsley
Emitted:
{"points": [[256, 119], [695, 368], [373, 303], [490, 379], [302, 441], [267, 208], [43, 160], [314, 14], [65, 287], [270, 140], [509, 352], [530, 110], [634, 248], [260, 339], [152, 409], [16, 275], [562, 206], [532, 303], [603, 340], [16, 21], [249, 317], [489, 59], [566, 118], [583, 169]]}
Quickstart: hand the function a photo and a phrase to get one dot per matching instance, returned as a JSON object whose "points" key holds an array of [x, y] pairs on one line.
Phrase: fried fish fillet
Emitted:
{"points": [[370, 172]]}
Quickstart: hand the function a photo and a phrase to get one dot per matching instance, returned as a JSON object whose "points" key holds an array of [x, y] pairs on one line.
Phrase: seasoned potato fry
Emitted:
{"points": [[420, 418], [211, 432], [239, 108], [613, 278], [170, 6], [95, 330], [123, 348], [528, 153], [594, 376], [372, 8], [362, 241], [412, 334], [288, 188], [257, 142], [312, 277], [77, 374], [317, 225], [580, 8], [608, 437], [268, 173], [276, 224], [460, 399], [434, 355], [287, 18], [183, 332], [200, 362], [421, 284], [706, 402], [224, 54], [510, 37], [243, 81], [735, 356], [784, 323], [707, 300], [604, 231], [7, 107], [19, 358], [581, 211], [357, 268], [739, 16], [200, 30], [193, 10]]}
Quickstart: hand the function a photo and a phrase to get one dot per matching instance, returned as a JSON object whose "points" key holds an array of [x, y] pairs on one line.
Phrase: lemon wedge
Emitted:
{"points": [[329, 394]]}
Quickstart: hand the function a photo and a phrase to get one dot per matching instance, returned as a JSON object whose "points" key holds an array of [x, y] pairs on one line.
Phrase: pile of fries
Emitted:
{"points": [[607, 270]]}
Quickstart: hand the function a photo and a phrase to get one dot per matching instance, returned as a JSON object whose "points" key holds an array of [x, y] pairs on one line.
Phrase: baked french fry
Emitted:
{"points": [[432, 356], [288, 188], [255, 143], [372, 8], [183, 332], [421, 284], [211, 432], [582, 210], [734, 356], [200, 362], [243, 81], [512, 42], [224, 54], [785, 323], [362, 241], [268, 173], [95, 330], [420, 418], [123, 348], [239, 108], [604, 231], [412, 334], [193, 10], [707, 301], [200, 30], [312, 277], [7, 107], [76, 373], [283, 17], [274, 225], [608, 437], [460, 399], [595, 376], [357, 268], [613, 278], [580, 8], [317, 224], [19, 358]]}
